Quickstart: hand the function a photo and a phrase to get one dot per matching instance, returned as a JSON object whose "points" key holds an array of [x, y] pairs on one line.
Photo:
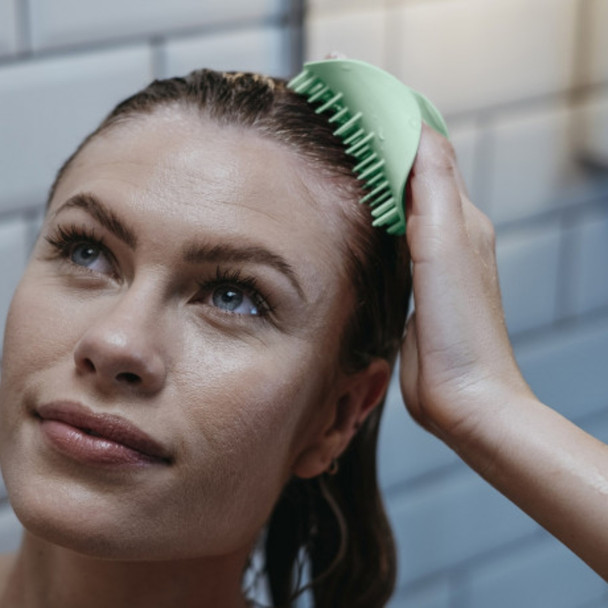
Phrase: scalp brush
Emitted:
{"points": [[379, 120]]}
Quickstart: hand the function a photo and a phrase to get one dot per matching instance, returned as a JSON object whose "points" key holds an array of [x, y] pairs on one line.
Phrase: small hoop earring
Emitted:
{"points": [[333, 467]]}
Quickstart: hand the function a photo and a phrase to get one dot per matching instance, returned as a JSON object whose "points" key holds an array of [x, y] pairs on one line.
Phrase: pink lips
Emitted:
{"points": [[105, 439]]}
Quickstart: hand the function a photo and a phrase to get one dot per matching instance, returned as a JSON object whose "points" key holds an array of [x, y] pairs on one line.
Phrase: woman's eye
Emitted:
{"points": [[90, 256], [233, 299]]}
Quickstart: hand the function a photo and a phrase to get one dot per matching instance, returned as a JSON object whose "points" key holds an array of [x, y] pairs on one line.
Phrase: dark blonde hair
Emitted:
{"points": [[335, 525]]}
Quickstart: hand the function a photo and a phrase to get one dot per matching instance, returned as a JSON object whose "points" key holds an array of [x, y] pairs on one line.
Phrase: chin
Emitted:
{"points": [[112, 534]]}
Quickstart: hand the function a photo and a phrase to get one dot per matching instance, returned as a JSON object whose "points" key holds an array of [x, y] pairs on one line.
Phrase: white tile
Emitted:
{"points": [[446, 522], [594, 262], [261, 49], [405, 450], [528, 269], [546, 574], [597, 29], [600, 603], [13, 257], [592, 128], [8, 27], [432, 595], [63, 22], [534, 166], [467, 54], [48, 106], [358, 33], [318, 7], [10, 530], [567, 368]]}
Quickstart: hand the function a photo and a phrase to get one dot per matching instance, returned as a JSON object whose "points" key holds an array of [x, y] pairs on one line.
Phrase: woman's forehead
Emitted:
{"points": [[188, 175], [178, 151]]}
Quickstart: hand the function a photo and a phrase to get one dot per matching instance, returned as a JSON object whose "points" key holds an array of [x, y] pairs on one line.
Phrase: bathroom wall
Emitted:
{"points": [[524, 87]]}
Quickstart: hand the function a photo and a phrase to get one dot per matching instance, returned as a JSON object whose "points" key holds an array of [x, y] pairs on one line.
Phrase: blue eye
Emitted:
{"points": [[92, 256], [233, 299], [81, 247], [85, 254]]}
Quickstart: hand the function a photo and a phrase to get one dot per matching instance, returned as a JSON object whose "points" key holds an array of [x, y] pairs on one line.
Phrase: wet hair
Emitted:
{"points": [[332, 527]]}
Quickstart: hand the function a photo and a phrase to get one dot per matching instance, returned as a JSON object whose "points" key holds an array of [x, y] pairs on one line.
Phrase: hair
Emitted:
{"points": [[334, 526]]}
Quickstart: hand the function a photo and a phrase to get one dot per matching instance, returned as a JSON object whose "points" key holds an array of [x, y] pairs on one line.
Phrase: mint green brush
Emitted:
{"points": [[379, 120]]}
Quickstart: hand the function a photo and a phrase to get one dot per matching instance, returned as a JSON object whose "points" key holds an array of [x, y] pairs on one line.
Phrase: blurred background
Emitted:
{"points": [[523, 85]]}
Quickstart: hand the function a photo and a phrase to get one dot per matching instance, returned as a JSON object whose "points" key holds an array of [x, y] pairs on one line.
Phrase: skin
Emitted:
{"points": [[461, 382], [240, 401]]}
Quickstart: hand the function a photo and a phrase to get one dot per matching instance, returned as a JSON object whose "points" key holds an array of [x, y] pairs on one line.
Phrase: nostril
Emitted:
{"points": [[128, 377], [89, 365]]}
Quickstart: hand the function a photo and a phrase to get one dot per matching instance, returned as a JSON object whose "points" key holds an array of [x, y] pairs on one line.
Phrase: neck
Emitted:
{"points": [[48, 576]]}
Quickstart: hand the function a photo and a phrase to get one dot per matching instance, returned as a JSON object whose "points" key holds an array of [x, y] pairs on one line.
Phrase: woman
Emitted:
{"points": [[199, 347], [199, 336]]}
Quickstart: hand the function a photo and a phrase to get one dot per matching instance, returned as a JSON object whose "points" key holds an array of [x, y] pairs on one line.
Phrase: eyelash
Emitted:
{"points": [[65, 238], [248, 284]]}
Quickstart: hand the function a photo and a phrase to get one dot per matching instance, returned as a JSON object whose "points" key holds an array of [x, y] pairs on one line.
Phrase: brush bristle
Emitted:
{"points": [[359, 144]]}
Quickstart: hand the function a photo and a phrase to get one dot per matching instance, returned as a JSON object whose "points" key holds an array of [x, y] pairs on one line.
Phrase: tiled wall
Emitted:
{"points": [[524, 86]]}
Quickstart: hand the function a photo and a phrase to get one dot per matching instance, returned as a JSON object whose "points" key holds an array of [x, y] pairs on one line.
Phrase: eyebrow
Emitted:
{"points": [[106, 217], [198, 253], [194, 252]]}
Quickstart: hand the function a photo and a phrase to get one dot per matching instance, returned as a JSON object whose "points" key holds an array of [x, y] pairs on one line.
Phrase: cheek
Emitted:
{"points": [[38, 329], [255, 412]]}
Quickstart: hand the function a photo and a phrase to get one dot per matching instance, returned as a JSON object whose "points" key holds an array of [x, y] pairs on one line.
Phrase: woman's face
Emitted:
{"points": [[171, 352]]}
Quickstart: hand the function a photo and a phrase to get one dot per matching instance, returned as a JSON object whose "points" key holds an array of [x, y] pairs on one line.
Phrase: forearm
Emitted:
{"points": [[551, 469]]}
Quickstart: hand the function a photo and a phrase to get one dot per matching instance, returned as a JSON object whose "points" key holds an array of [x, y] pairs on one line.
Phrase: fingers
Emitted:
{"points": [[438, 203], [433, 179], [434, 210], [480, 231]]}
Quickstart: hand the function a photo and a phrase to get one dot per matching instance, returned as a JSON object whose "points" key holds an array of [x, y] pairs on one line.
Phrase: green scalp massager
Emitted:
{"points": [[379, 119]]}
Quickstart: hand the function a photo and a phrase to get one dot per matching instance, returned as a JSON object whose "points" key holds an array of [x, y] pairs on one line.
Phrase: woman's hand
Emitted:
{"points": [[457, 366], [459, 377]]}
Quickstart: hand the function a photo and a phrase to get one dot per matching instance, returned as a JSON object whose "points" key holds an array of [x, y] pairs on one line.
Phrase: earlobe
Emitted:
{"points": [[359, 394]]}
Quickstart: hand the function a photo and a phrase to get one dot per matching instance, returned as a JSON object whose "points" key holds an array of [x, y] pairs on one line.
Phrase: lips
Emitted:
{"points": [[106, 439]]}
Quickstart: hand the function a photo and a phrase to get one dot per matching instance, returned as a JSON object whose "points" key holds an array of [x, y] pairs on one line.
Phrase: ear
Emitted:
{"points": [[358, 394]]}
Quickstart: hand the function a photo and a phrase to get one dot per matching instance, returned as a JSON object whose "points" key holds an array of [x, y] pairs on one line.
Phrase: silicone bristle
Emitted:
{"points": [[338, 115], [365, 162], [375, 192], [388, 217], [380, 199], [372, 170], [379, 121], [386, 206], [329, 103], [318, 94], [305, 84], [373, 180], [348, 124], [359, 144]]}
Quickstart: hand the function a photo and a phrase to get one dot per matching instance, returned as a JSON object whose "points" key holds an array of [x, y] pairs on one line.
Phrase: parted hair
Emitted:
{"points": [[333, 527]]}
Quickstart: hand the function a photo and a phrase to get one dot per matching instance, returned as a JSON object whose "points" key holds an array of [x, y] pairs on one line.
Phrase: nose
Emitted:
{"points": [[122, 349]]}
